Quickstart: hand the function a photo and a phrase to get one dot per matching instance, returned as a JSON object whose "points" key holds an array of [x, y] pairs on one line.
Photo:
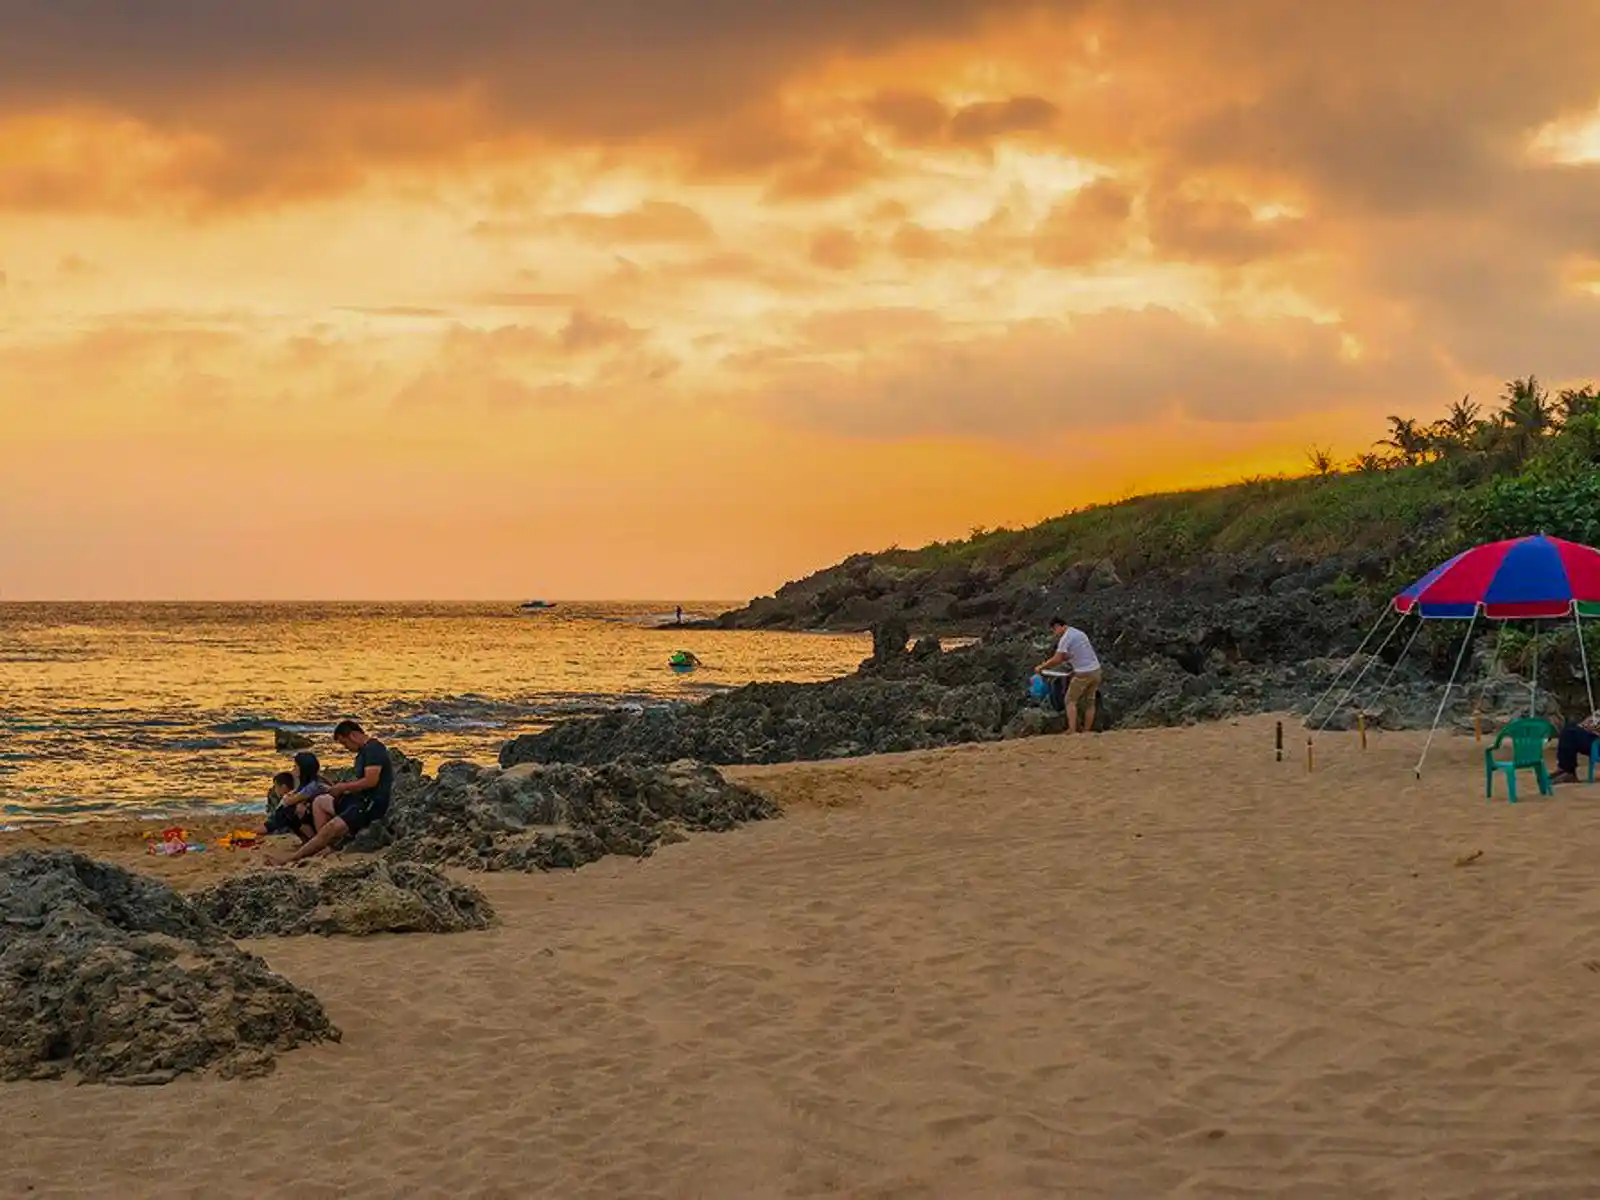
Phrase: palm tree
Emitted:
{"points": [[1524, 418], [1408, 440], [1321, 460], [1461, 423], [1574, 403]]}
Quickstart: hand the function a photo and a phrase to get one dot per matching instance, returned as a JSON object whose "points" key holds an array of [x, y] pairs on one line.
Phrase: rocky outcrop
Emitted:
{"points": [[114, 978], [927, 697], [285, 741], [533, 817], [358, 900], [998, 600], [783, 722]]}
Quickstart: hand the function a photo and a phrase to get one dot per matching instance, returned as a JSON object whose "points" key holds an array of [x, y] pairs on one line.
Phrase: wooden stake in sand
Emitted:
{"points": [[1361, 728], [1280, 741], [1308, 756], [1477, 727]]}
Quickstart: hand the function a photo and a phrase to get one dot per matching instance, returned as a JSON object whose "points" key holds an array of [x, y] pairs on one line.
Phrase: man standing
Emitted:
{"points": [[1073, 649], [345, 809]]}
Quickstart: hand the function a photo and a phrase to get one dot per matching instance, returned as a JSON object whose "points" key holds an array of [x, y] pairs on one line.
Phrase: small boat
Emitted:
{"points": [[682, 662], [536, 605]]}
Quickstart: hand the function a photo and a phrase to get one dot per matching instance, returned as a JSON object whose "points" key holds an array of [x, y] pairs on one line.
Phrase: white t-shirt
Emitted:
{"points": [[1074, 644]]}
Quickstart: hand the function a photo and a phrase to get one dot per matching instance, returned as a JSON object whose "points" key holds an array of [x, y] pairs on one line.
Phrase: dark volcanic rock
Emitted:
{"points": [[889, 639], [366, 898], [539, 818], [118, 979], [784, 722], [924, 699], [283, 740]]}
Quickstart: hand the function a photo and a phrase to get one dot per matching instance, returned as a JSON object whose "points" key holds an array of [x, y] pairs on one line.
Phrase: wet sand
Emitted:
{"points": [[1147, 963]]}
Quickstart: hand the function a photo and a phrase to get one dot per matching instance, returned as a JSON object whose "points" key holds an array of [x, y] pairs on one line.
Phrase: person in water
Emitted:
{"points": [[684, 658], [1074, 649], [345, 809]]}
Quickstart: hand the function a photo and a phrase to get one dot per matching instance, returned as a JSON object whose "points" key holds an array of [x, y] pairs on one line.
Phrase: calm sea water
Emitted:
{"points": [[151, 709]]}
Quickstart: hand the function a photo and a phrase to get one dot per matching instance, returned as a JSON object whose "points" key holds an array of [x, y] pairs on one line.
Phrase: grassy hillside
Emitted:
{"points": [[1309, 518], [1531, 465]]}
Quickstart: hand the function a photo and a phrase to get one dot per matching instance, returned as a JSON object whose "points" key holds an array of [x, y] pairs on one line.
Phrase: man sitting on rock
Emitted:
{"points": [[1575, 742], [345, 809], [1073, 648]]}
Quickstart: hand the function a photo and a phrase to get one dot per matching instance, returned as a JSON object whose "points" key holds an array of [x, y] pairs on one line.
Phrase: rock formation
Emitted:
{"points": [[539, 818], [361, 899], [284, 741], [115, 978]]}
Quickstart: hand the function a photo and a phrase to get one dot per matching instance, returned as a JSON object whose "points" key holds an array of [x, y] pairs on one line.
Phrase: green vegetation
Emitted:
{"points": [[1530, 465]]}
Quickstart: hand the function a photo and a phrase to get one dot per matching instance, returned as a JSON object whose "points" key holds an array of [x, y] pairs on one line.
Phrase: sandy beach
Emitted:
{"points": [[1144, 963]]}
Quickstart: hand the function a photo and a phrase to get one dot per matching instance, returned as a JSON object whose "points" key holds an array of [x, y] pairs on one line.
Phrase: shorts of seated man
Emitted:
{"points": [[358, 811]]}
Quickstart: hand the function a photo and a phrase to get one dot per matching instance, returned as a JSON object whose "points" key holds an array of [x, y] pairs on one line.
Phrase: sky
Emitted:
{"points": [[510, 298]]}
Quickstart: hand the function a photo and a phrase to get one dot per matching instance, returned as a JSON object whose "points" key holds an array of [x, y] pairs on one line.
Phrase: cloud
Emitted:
{"points": [[863, 328], [280, 95], [973, 220], [833, 169], [585, 331], [836, 249], [987, 120], [1090, 225], [1114, 368], [921, 119], [397, 310], [525, 299], [654, 222]]}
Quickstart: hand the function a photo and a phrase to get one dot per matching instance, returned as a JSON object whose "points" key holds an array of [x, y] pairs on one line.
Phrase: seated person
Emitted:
{"points": [[345, 809], [1574, 743], [282, 816], [296, 790]]}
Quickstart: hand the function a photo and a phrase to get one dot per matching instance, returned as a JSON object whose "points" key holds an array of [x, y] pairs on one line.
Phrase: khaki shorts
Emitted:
{"points": [[1083, 687]]}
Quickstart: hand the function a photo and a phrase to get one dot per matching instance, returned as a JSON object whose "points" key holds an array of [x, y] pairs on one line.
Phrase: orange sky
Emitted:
{"points": [[401, 298]]}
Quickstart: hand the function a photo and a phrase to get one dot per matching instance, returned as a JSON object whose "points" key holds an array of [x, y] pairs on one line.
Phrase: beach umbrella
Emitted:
{"points": [[1518, 579]]}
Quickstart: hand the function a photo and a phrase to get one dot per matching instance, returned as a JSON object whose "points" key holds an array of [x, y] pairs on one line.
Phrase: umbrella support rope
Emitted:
{"points": [[1466, 644], [1372, 658], [1382, 616], [1583, 653], [1389, 678]]}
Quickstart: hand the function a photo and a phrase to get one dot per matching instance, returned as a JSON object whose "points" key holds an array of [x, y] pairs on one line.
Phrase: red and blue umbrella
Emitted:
{"points": [[1522, 578]]}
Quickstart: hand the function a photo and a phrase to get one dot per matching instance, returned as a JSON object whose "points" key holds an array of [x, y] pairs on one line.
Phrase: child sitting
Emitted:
{"points": [[293, 792]]}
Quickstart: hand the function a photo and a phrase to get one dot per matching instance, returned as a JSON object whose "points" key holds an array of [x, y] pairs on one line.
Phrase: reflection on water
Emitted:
{"points": [[145, 708]]}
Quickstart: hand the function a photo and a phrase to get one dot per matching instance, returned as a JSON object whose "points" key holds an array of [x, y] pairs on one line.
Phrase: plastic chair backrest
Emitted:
{"points": [[1527, 736]]}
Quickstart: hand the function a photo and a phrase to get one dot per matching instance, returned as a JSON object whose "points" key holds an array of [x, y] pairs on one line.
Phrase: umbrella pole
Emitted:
{"points": [[1466, 644], [1389, 678], [1362, 674], [1483, 688], [1382, 616], [1533, 683], [1583, 652]]}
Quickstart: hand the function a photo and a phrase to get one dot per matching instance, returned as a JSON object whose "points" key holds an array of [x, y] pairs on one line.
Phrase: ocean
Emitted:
{"points": [[151, 710]]}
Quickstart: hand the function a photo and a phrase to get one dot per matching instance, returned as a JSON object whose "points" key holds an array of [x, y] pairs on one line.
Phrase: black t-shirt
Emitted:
{"points": [[374, 753]]}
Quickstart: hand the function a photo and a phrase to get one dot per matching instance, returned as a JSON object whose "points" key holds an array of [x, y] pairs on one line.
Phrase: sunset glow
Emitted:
{"points": [[407, 299]]}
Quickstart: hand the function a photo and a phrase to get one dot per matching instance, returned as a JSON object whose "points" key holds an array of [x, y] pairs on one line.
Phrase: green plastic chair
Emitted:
{"points": [[1527, 736]]}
